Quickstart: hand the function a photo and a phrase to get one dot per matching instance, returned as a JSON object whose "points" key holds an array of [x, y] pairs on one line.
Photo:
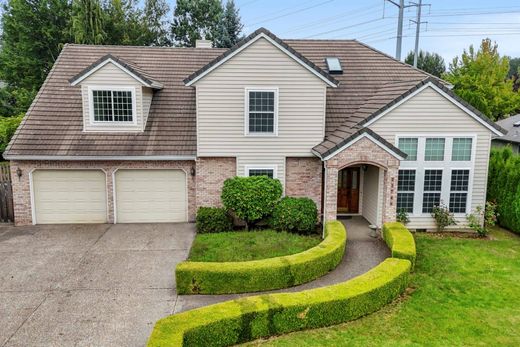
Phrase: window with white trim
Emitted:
{"points": [[459, 190], [461, 149], [261, 172], [409, 146], [112, 105], [261, 111], [432, 190], [405, 190], [434, 149]]}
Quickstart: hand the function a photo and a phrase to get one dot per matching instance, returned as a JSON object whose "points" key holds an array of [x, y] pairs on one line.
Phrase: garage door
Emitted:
{"points": [[69, 196], [150, 196]]}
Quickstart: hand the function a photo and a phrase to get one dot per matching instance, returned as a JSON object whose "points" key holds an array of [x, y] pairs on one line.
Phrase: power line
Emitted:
{"points": [[345, 27], [293, 12]]}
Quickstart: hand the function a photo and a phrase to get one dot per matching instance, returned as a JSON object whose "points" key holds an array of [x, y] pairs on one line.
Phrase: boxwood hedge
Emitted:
{"points": [[266, 274], [254, 317], [400, 241]]}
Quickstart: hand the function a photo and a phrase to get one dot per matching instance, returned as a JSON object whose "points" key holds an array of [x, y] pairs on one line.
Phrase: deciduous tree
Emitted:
{"points": [[195, 19]]}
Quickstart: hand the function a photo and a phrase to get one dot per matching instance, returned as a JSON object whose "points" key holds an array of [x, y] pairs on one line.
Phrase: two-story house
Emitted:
{"points": [[148, 134]]}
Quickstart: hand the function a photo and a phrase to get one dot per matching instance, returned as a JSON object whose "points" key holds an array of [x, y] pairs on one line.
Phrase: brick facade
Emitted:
{"points": [[363, 151], [210, 177], [303, 178], [22, 193]]}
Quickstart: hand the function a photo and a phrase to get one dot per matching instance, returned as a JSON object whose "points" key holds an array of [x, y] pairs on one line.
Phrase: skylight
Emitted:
{"points": [[334, 65]]}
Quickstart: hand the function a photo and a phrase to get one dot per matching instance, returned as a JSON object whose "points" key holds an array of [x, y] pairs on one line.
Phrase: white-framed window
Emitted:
{"points": [[433, 175], [409, 146], [269, 171], [112, 105], [261, 111], [405, 190]]}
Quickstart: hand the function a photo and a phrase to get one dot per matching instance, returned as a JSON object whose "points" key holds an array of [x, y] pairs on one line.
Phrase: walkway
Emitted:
{"points": [[362, 253]]}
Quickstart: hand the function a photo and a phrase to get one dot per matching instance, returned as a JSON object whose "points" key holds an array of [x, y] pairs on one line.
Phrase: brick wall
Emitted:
{"points": [[363, 151], [21, 186], [303, 178], [210, 177]]}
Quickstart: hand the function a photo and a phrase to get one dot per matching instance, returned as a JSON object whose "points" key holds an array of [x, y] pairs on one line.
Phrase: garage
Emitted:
{"points": [[69, 196], [150, 196]]}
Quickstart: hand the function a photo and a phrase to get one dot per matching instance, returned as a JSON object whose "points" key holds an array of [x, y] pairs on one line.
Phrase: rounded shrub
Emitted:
{"points": [[298, 215], [213, 220], [251, 198], [400, 241]]}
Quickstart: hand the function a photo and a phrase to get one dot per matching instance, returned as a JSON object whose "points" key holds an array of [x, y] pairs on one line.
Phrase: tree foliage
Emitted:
{"points": [[88, 22], [230, 27], [514, 73], [432, 63], [480, 78], [155, 24], [8, 126], [194, 20]]}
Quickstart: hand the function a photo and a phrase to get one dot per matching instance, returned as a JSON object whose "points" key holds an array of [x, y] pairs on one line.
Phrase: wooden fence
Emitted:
{"points": [[6, 194]]}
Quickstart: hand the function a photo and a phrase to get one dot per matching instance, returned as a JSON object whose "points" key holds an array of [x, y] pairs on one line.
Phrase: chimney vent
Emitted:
{"points": [[203, 44]]}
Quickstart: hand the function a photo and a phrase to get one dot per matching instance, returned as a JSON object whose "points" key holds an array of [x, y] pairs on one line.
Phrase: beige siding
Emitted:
{"points": [[110, 75], [246, 161], [221, 113], [371, 195], [429, 113]]}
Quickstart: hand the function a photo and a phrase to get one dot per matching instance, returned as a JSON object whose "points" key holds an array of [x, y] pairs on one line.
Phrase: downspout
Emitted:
{"points": [[324, 198]]}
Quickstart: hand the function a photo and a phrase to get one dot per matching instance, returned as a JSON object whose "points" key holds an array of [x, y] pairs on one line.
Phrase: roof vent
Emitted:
{"points": [[203, 44], [334, 66]]}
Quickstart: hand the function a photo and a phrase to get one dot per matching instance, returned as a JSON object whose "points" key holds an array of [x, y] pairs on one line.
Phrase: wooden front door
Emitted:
{"points": [[348, 190]]}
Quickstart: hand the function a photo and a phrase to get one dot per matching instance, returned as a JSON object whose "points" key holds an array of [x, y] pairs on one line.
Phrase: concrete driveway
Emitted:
{"points": [[87, 285]]}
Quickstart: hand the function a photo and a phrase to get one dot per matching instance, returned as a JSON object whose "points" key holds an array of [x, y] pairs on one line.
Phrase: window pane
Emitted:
{"points": [[261, 172], [461, 150], [405, 202], [434, 150], [102, 101], [430, 200], [406, 180], [459, 180], [458, 202], [261, 112], [432, 180], [409, 146], [122, 106]]}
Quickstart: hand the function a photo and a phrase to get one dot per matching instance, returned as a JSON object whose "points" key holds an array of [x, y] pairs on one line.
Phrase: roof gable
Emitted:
{"points": [[248, 41], [131, 69]]}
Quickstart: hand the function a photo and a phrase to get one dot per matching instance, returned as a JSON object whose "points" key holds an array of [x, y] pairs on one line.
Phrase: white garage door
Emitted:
{"points": [[150, 196], [69, 196]]}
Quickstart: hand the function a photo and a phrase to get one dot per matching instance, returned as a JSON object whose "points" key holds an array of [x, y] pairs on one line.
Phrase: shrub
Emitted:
{"points": [[503, 187], [266, 274], [251, 198], [443, 217], [250, 318], [400, 241], [402, 216], [482, 219], [295, 215], [213, 220]]}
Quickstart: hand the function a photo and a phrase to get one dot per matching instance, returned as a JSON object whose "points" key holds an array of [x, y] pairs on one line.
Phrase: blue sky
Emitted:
{"points": [[452, 25]]}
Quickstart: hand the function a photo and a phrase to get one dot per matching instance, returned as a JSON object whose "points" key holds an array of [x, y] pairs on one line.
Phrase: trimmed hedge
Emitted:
{"points": [[250, 318], [299, 215], [400, 241], [504, 187], [213, 220], [266, 274]]}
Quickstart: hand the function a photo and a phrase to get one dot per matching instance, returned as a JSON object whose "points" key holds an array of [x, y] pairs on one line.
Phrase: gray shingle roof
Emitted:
{"points": [[513, 133]]}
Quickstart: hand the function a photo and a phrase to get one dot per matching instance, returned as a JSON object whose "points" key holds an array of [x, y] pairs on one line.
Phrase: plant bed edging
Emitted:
{"points": [[265, 274]]}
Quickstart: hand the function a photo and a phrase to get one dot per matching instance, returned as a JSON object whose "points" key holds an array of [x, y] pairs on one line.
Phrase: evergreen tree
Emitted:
{"points": [[431, 63], [195, 19], [122, 23], [88, 22], [230, 27], [480, 78], [154, 25]]}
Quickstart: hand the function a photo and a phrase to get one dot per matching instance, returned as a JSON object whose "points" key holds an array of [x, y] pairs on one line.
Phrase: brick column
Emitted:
{"points": [[390, 194], [331, 189]]}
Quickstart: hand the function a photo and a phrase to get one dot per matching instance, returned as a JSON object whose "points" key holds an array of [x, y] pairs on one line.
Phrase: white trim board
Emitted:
{"points": [[274, 43], [261, 167], [248, 90], [442, 93]]}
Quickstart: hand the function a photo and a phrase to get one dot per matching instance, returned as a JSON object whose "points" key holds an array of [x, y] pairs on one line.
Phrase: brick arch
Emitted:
{"points": [[364, 151]]}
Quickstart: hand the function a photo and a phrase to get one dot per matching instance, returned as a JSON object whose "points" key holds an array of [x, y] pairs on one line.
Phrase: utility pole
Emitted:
{"points": [[401, 7], [417, 31]]}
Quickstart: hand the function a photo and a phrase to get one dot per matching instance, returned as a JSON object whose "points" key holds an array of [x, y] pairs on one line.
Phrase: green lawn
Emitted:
{"points": [[252, 245], [464, 292]]}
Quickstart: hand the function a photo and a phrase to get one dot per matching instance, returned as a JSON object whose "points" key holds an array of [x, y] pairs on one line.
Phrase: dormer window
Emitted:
{"points": [[112, 105]]}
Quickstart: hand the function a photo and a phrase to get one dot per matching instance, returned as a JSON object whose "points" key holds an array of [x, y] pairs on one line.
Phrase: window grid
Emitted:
{"points": [[261, 112], [434, 149], [432, 190], [459, 191], [461, 149], [261, 172], [405, 190], [112, 106], [409, 146]]}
